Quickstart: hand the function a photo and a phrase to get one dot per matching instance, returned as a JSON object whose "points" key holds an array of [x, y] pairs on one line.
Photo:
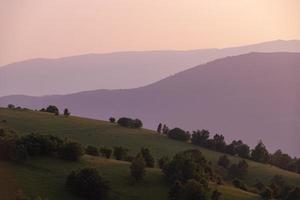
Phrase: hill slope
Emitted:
{"points": [[250, 97], [115, 70], [97, 132]]}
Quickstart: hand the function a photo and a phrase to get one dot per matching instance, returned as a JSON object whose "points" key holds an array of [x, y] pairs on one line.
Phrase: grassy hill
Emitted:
{"points": [[45, 176]]}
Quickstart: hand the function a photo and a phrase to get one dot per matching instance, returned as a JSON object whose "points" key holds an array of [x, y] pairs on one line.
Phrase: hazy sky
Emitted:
{"points": [[56, 28]]}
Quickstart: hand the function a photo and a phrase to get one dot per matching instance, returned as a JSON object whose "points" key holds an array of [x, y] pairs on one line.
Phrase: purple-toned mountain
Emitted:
{"points": [[249, 97], [116, 70]]}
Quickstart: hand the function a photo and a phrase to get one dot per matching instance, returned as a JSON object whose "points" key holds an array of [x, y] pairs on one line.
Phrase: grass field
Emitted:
{"points": [[46, 177]]}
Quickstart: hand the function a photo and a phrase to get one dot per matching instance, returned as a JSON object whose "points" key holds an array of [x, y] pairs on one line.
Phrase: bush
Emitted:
{"points": [[71, 151], [92, 150], [200, 137], [67, 112], [163, 161], [238, 170], [87, 183], [179, 134], [137, 168], [112, 119], [106, 152], [41, 145], [216, 195], [11, 106], [224, 161], [267, 194], [130, 123], [195, 190], [239, 184], [120, 153], [149, 160], [52, 109]]}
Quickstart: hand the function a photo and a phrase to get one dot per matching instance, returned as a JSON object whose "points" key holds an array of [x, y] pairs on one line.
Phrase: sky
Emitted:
{"points": [[58, 28]]}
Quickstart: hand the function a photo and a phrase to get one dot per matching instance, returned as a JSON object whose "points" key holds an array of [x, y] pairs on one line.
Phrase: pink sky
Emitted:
{"points": [[56, 28]]}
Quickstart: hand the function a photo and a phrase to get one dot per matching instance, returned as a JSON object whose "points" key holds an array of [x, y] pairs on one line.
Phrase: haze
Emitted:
{"points": [[56, 28]]}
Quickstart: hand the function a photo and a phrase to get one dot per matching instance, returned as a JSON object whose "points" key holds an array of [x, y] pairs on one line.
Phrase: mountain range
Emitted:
{"points": [[114, 70], [250, 97]]}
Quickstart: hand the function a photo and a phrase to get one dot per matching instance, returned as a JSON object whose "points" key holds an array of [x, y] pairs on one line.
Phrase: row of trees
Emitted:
{"points": [[53, 109], [235, 148], [20, 148]]}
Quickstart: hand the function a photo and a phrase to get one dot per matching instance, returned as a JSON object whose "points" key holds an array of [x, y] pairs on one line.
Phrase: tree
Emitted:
{"points": [[71, 151], [200, 137], [238, 170], [218, 143], [11, 106], [190, 164], [278, 186], [106, 152], [112, 119], [281, 160], [224, 161], [239, 184], [159, 128], [52, 109], [179, 134], [260, 186], [130, 123], [294, 194], [137, 168], [194, 190], [216, 195], [66, 112], [163, 161], [92, 150], [267, 194], [260, 153], [87, 183], [120, 153], [149, 160], [176, 191], [165, 129]]}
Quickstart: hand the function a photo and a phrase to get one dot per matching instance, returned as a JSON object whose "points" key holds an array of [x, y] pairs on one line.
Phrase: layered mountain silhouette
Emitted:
{"points": [[114, 71], [250, 97]]}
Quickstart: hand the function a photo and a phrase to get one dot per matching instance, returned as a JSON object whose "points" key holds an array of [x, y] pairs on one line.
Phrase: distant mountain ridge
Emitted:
{"points": [[249, 97], [114, 70]]}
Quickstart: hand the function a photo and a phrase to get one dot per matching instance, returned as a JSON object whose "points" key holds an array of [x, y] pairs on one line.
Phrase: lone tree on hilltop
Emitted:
{"points": [[66, 112]]}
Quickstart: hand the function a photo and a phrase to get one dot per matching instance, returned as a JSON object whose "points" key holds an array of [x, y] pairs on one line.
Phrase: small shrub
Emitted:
{"points": [[216, 195], [71, 151], [224, 161], [149, 160], [112, 119], [92, 150], [87, 183], [239, 184], [52, 109], [66, 112], [106, 152], [120, 153], [163, 161]]}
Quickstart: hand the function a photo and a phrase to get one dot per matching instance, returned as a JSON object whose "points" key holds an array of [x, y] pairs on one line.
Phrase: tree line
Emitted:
{"points": [[236, 148]]}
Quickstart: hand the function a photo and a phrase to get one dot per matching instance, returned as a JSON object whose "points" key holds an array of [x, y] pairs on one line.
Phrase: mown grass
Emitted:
{"points": [[102, 133]]}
